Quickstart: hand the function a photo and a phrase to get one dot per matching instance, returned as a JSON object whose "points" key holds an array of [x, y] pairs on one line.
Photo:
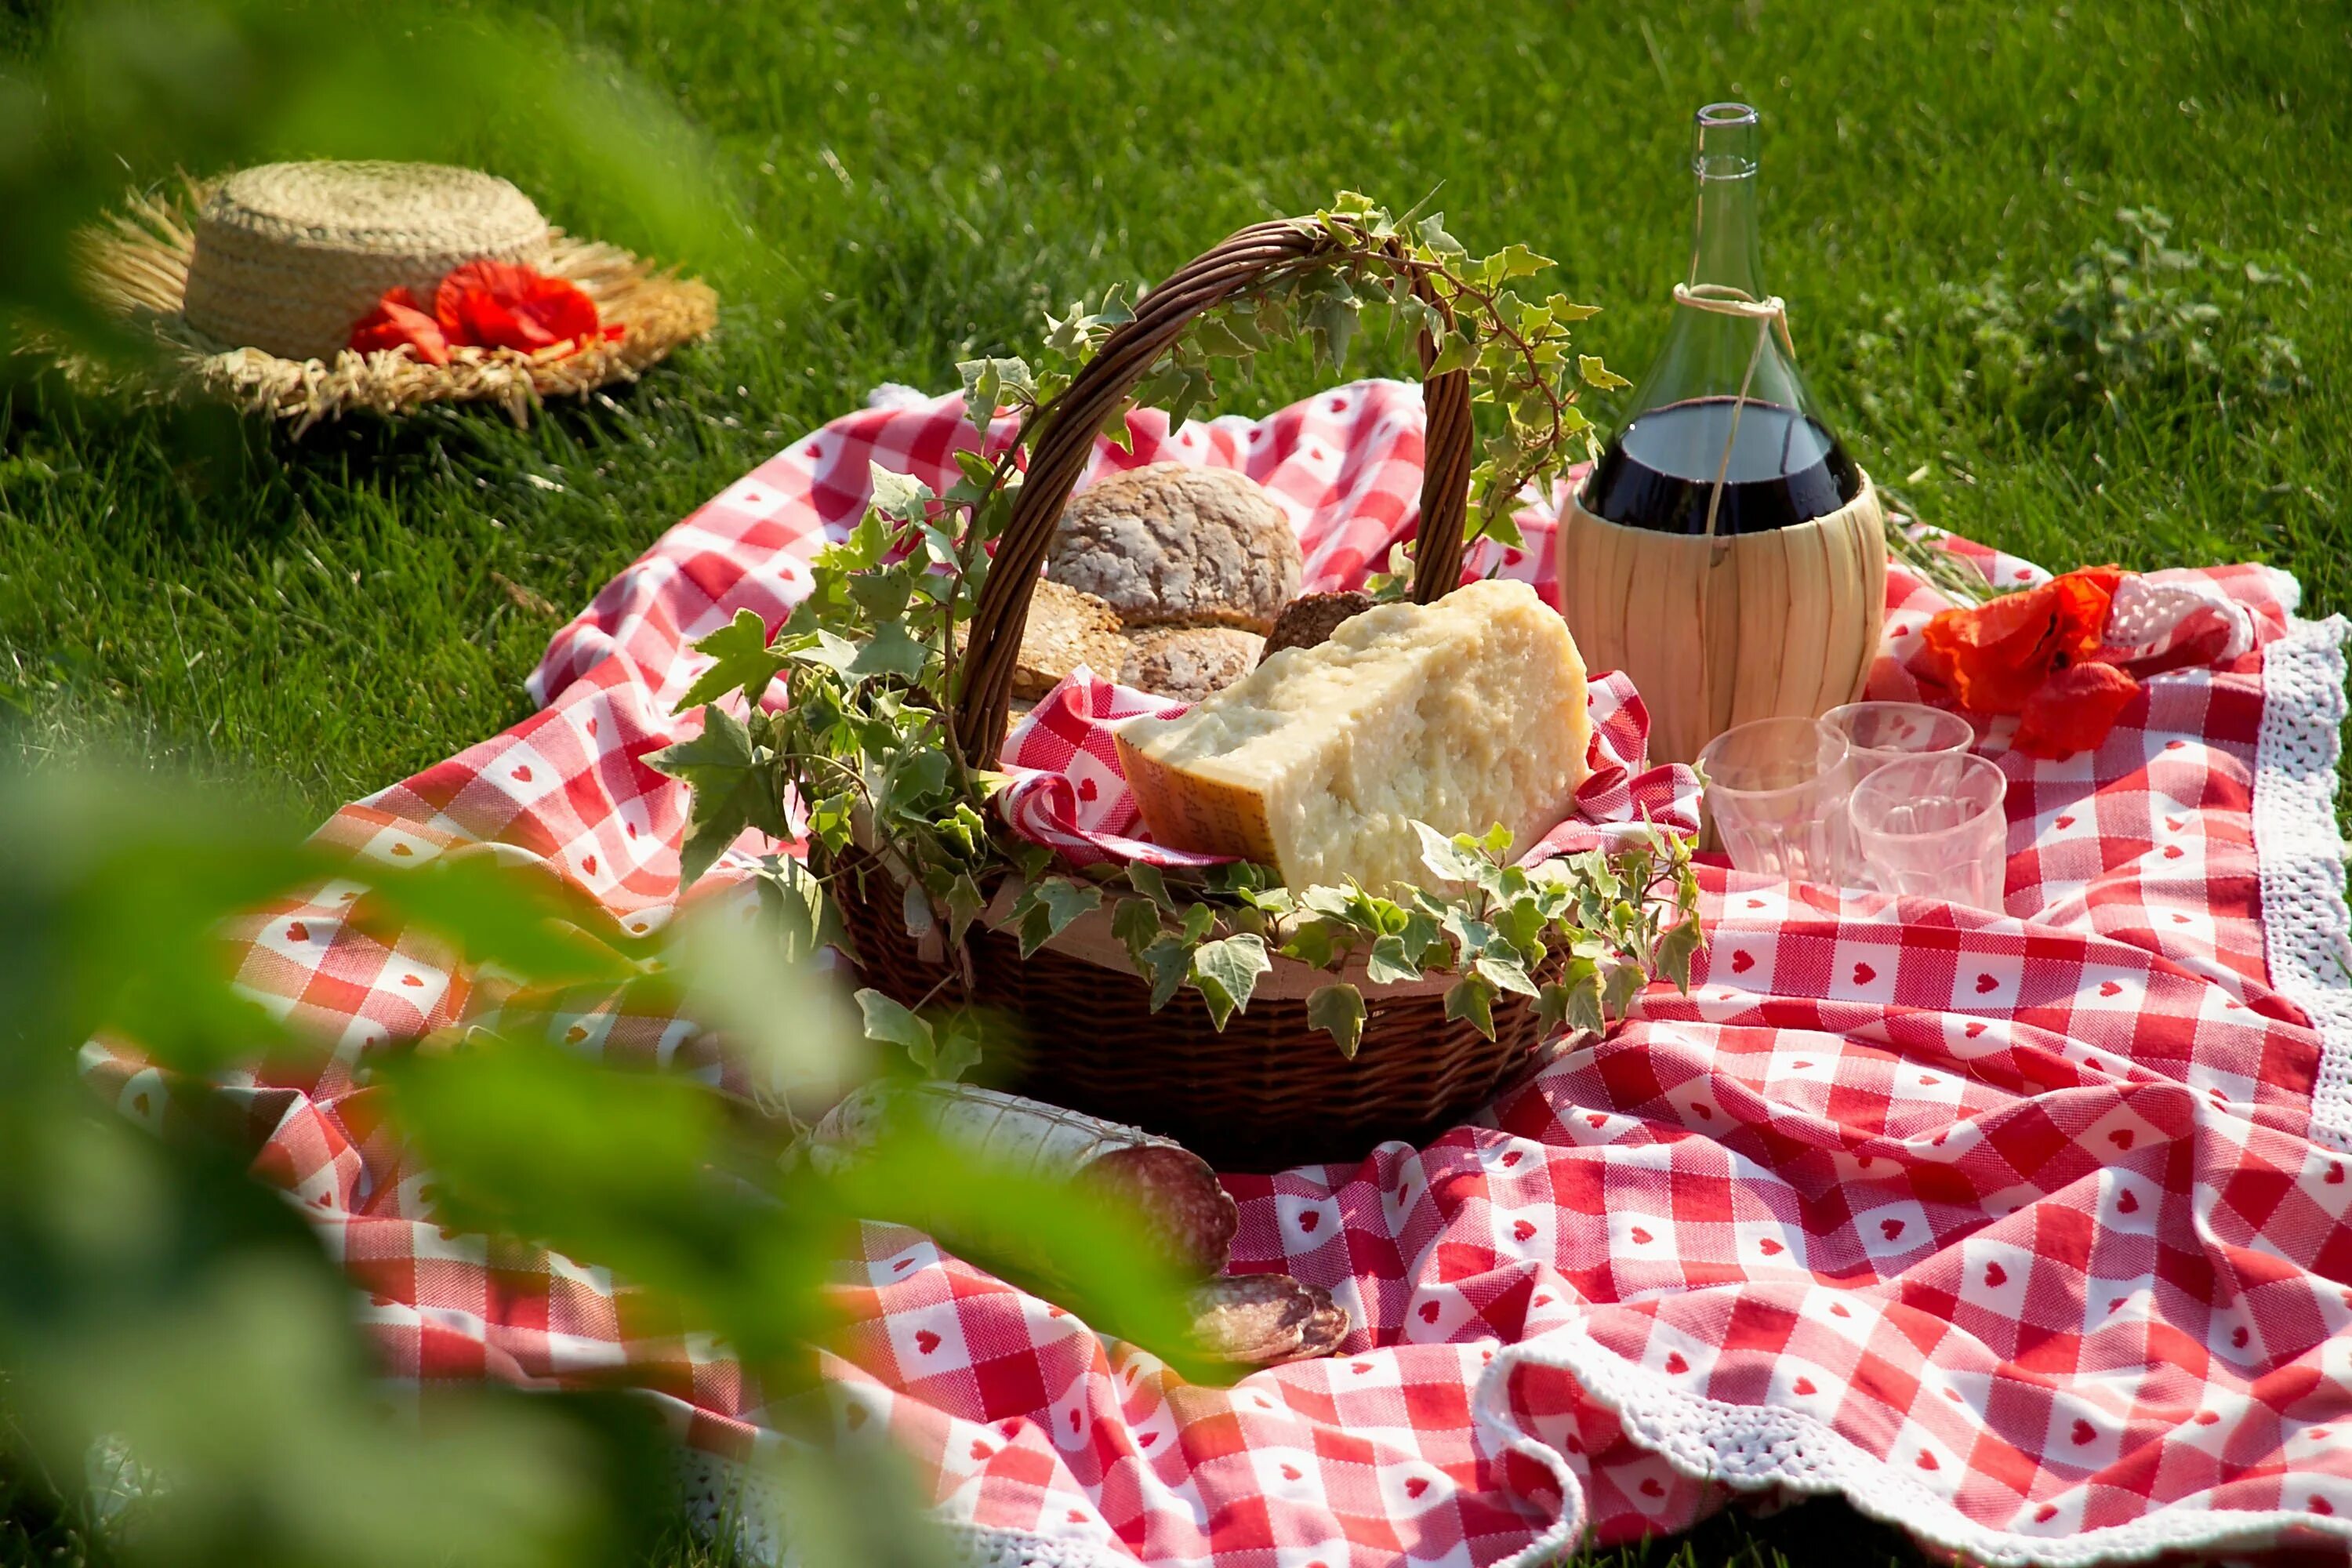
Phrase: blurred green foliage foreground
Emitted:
{"points": [[178, 1356], [161, 1312]]}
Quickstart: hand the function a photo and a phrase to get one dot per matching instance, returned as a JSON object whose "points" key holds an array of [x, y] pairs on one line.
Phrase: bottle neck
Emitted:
{"points": [[1724, 248]]}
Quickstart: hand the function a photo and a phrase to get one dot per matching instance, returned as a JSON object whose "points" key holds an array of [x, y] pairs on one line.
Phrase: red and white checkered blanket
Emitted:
{"points": [[2026, 1232]]}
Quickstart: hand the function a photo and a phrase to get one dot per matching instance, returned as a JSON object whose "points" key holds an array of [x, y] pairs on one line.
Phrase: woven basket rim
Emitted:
{"points": [[135, 264]]}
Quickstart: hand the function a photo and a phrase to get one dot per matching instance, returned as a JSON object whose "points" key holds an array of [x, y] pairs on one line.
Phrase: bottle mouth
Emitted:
{"points": [[1722, 146]]}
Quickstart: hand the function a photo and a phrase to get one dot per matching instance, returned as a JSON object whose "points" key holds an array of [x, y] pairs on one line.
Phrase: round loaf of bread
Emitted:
{"points": [[1171, 543], [1189, 662]]}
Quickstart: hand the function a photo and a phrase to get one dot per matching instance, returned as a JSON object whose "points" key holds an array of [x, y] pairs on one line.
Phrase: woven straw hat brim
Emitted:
{"points": [[137, 264]]}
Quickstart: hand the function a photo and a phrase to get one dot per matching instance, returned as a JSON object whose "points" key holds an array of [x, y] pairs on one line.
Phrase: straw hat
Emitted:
{"points": [[257, 280]]}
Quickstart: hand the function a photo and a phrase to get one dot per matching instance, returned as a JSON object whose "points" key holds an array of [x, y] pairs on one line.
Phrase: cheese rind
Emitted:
{"points": [[1460, 714]]}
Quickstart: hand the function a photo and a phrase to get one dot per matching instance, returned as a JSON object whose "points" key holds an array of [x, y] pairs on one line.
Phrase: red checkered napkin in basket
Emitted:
{"points": [[2027, 1231]]}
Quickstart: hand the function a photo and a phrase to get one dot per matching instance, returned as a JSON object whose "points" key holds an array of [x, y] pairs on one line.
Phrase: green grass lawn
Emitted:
{"points": [[924, 179]]}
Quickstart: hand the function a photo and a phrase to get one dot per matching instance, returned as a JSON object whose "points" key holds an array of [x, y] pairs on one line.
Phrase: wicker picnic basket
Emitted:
{"points": [[1271, 1090]]}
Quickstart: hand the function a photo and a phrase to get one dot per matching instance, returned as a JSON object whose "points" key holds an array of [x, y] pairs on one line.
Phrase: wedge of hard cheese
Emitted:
{"points": [[1460, 714]]}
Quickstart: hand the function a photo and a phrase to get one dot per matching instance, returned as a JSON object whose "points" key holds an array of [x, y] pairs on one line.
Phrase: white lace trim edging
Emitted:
{"points": [[2306, 930], [1751, 1447], [727, 1499]]}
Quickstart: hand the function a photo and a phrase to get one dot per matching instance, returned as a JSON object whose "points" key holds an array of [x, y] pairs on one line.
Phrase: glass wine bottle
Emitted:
{"points": [[1724, 438]]}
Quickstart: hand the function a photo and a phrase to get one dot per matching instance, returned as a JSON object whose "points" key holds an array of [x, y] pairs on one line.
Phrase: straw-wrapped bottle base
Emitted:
{"points": [[1715, 632]]}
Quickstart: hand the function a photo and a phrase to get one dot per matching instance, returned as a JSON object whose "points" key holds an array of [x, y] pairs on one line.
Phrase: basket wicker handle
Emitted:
{"points": [[1066, 441]]}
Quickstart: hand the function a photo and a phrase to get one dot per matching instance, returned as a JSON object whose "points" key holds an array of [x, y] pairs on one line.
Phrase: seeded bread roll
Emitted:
{"points": [[1067, 629], [1189, 662], [1175, 544]]}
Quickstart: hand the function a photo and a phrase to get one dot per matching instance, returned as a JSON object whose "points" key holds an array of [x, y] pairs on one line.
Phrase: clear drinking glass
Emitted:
{"points": [[1776, 790], [1933, 826], [1878, 734]]}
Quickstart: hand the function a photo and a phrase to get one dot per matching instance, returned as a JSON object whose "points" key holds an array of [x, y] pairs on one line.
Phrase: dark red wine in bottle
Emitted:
{"points": [[1660, 472], [1724, 399]]}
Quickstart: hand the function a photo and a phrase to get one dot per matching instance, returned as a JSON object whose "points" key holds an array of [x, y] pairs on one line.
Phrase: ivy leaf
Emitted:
{"points": [[1430, 231], [958, 1047], [1422, 935], [1625, 982], [1472, 997], [1505, 974], [1449, 861], [1114, 427], [1584, 1012], [1335, 903], [743, 661], [1225, 973], [964, 905], [1500, 525], [1338, 1011], [977, 471], [992, 383], [916, 778], [1135, 922], [896, 495], [1311, 943], [1551, 1008], [1065, 336], [1331, 315], [1454, 352], [1148, 881], [1597, 375], [1046, 908], [1514, 261], [1214, 336], [730, 791], [1241, 319], [1674, 953], [1389, 963], [1166, 963], [893, 1024], [883, 596], [889, 652]]}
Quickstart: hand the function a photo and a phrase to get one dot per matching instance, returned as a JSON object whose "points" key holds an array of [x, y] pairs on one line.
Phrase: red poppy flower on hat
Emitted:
{"points": [[504, 305], [396, 320], [486, 305], [2032, 654]]}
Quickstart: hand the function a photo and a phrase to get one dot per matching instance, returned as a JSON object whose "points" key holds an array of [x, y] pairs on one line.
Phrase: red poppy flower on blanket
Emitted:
{"points": [[2035, 654], [489, 305]]}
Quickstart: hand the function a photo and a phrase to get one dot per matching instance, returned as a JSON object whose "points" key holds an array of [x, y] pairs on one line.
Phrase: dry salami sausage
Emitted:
{"points": [[1188, 1216], [1265, 1320]]}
